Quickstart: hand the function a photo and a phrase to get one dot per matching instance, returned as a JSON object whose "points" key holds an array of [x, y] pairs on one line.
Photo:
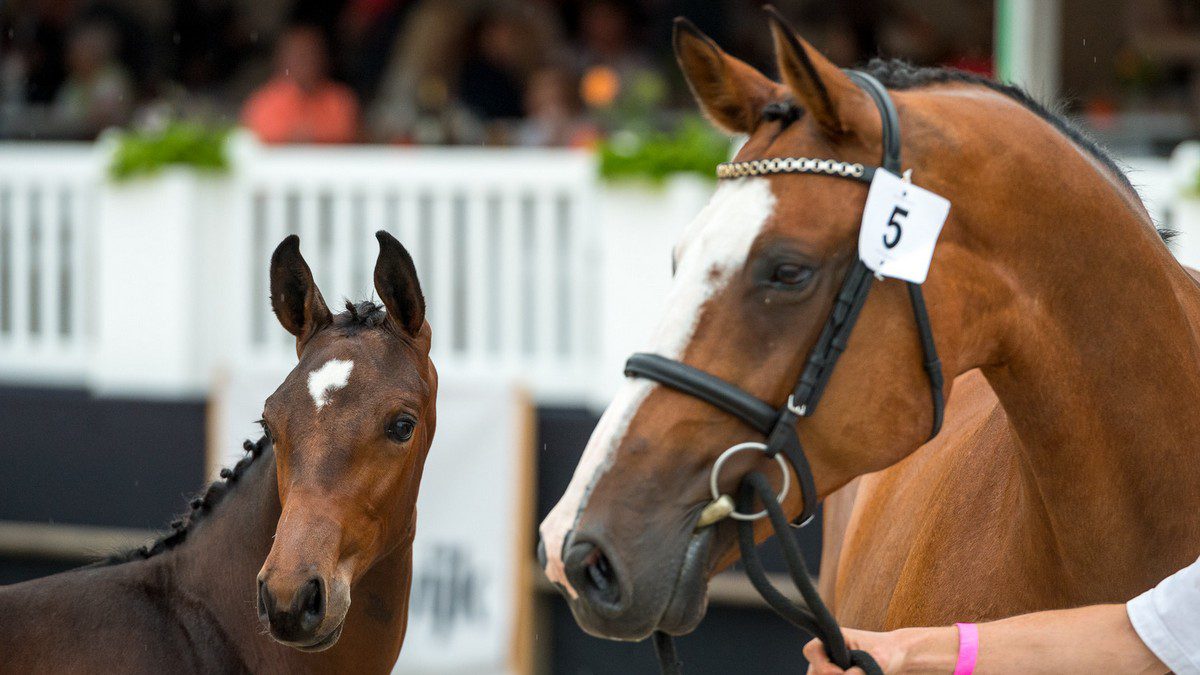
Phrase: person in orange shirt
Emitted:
{"points": [[300, 103]]}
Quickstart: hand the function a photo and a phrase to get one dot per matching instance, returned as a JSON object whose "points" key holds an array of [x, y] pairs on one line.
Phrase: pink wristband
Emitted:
{"points": [[968, 648]]}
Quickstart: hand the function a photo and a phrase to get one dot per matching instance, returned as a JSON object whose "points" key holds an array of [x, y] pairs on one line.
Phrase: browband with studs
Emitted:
{"points": [[764, 167]]}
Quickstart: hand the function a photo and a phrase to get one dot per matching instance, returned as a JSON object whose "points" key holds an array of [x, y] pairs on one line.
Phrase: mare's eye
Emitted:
{"points": [[791, 274], [401, 429]]}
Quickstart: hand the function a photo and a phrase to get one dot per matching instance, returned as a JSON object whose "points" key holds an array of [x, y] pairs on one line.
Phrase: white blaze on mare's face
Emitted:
{"points": [[327, 379], [713, 248]]}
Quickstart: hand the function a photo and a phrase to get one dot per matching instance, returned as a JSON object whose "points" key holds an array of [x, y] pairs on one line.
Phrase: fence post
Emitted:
{"points": [[157, 255], [639, 225]]}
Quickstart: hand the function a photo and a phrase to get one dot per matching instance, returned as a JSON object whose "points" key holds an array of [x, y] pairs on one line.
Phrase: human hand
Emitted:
{"points": [[894, 651]]}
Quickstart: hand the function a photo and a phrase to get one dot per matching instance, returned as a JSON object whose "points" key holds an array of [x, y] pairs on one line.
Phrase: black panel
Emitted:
{"points": [[13, 570], [72, 458], [561, 435]]}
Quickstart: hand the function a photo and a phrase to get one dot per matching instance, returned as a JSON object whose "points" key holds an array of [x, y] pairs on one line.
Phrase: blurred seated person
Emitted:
{"points": [[617, 72], [607, 34], [301, 103], [553, 112], [98, 92], [491, 81]]}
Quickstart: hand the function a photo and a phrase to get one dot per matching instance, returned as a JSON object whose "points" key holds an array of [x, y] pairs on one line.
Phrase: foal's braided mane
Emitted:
{"points": [[366, 314], [199, 506], [360, 316]]}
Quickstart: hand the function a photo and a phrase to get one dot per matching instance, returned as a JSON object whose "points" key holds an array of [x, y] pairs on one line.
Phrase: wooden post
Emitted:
{"points": [[1027, 45]]}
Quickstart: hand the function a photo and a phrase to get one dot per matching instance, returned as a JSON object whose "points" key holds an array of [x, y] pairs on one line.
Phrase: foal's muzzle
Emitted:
{"points": [[297, 617]]}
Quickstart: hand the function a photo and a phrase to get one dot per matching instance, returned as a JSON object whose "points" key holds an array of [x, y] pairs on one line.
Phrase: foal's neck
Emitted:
{"points": [[1100, 377], [215, 570]]}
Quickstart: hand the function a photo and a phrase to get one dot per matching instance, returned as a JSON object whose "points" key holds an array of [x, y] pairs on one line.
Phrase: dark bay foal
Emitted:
{"points": [[260, 574]]}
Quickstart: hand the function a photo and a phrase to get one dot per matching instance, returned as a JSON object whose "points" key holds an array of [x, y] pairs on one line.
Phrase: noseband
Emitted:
{"points": [[778, 423]]}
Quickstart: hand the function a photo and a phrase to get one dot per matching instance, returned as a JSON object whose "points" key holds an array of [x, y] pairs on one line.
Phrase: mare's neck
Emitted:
{"points": [[215, 571], [1099, 373]]}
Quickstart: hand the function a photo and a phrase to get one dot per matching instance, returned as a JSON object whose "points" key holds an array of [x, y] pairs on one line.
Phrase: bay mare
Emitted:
{"points": [[258, 577], [1067, 471]]}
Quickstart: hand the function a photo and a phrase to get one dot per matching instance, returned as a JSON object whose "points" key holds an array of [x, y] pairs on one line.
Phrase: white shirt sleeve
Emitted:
{"points": [[1167, 619]]}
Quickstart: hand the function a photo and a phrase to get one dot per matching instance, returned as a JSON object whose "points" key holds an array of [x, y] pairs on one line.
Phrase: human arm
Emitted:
{"points": [[1099, 638]]}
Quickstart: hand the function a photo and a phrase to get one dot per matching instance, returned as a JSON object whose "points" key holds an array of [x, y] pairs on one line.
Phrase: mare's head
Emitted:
{"points": [[755, 277], [351, 426]]}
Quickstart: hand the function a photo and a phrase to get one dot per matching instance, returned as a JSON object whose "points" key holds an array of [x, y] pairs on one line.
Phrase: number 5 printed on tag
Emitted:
{"points": [[900, 227]]}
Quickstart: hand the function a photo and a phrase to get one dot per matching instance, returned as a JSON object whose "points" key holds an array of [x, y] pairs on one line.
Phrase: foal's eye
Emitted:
{"points": [[791, 274], [401, 429]]}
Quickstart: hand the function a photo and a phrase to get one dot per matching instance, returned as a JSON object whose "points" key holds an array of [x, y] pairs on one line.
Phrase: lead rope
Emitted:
{"points": [[668, 658], [812, 617]]}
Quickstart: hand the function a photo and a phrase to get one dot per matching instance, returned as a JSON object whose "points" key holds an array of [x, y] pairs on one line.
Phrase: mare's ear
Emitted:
{"points": [[837, 104], [731, 93], [294, 295], [397, 285]]}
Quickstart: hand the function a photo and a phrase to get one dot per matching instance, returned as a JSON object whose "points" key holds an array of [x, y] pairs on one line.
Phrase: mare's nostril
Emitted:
{"points": [[310, 602], [593, 574], [603, 579], [600, 572]]}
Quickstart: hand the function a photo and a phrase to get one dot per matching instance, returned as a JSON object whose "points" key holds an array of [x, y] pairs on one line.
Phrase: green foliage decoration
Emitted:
{"points": [[652, 156], [187, 144]]}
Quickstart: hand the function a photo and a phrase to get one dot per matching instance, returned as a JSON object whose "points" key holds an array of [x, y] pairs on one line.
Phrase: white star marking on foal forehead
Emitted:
{"points": [[323, 381]]}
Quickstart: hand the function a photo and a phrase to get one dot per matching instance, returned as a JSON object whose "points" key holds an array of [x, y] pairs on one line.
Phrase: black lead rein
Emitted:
{"points": [[778, 424], [812, 617]]}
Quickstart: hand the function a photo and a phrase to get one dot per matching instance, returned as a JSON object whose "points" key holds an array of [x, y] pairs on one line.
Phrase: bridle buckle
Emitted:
{"points": [[797, 410]]}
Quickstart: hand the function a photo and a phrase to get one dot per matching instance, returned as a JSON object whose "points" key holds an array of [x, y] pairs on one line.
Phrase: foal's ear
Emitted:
{"points": [[835, 102], [294, 295], [731, 93], [397, 285]]}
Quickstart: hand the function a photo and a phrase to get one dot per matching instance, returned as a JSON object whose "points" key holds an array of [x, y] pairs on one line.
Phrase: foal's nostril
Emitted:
{"points": [[310, 603], [295, 619]]}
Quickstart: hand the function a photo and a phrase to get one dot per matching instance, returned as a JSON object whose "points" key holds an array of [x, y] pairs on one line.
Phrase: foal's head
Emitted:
{"points": [[351, 426], [755, 277]]}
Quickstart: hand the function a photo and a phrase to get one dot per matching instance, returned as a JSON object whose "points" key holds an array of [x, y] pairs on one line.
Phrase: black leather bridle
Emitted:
{"points": [[778, 424]]}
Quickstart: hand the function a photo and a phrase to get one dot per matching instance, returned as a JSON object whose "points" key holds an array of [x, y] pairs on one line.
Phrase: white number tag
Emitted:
{"points": [[900, 227]]}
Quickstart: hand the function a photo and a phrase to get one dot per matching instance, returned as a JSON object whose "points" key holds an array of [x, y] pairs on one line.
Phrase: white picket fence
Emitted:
{"points": [[96, 279], [47, 202], [505, 243], [531, 268]]}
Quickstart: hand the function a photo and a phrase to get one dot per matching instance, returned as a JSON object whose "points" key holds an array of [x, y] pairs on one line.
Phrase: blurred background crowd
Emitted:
{"points": [[515, 72], [500, 72]]}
